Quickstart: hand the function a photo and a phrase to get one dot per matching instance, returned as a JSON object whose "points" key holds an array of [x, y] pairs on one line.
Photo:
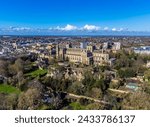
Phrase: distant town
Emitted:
{"points": [[74, 72]]}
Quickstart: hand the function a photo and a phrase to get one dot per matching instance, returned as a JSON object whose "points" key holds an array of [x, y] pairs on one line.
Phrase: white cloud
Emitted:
{"points": [[86, 27], [91, 27], [114, 29], [106, 28], [59, 29], [119, 29], [68, 27], [123, 29], [19, 28]]}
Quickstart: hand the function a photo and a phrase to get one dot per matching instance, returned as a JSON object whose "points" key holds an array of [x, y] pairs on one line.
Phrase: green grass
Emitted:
{"points": [[77, 106], [44, 107], [36, 73], [9, 89]]}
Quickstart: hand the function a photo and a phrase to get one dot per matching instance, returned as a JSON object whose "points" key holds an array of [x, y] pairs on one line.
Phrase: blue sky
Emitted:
{"points": [[76, 15]]}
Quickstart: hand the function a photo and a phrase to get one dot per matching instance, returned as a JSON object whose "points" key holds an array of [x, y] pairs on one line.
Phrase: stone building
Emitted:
{"points": [[100, 58], [86, 56], [60, 52]]}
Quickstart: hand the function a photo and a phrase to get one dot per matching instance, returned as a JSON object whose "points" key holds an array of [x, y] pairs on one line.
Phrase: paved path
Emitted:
{"points": [[119, 91], [89, 98], [71, 95]]}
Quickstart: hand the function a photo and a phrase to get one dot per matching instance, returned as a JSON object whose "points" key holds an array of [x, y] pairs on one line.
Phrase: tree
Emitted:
{"points": [[138, 65], [84, 101], [126, 73], [3, 68], [8, 101], [19, 65], [88, 81], [36, 84], [31, 99], [147, 75], [65, 84], [95, 106], [21, 80], [113, 101], [124, 59], [76, 88], [137, 101], [96, 93], [11, 101]]}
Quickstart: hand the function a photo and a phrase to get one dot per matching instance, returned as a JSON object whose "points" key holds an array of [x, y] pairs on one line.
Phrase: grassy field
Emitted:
{"points": [[36, 73], [77, 106], [8, 89]]}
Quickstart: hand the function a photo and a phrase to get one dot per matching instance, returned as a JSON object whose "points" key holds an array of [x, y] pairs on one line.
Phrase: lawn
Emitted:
{"points": [[8, 89], [36, 73]]}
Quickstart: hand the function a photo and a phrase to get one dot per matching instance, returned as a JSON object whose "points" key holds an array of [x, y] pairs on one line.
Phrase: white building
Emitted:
{"points": [[142, 50], [83, 45], [105, 45], [116, 46]]}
